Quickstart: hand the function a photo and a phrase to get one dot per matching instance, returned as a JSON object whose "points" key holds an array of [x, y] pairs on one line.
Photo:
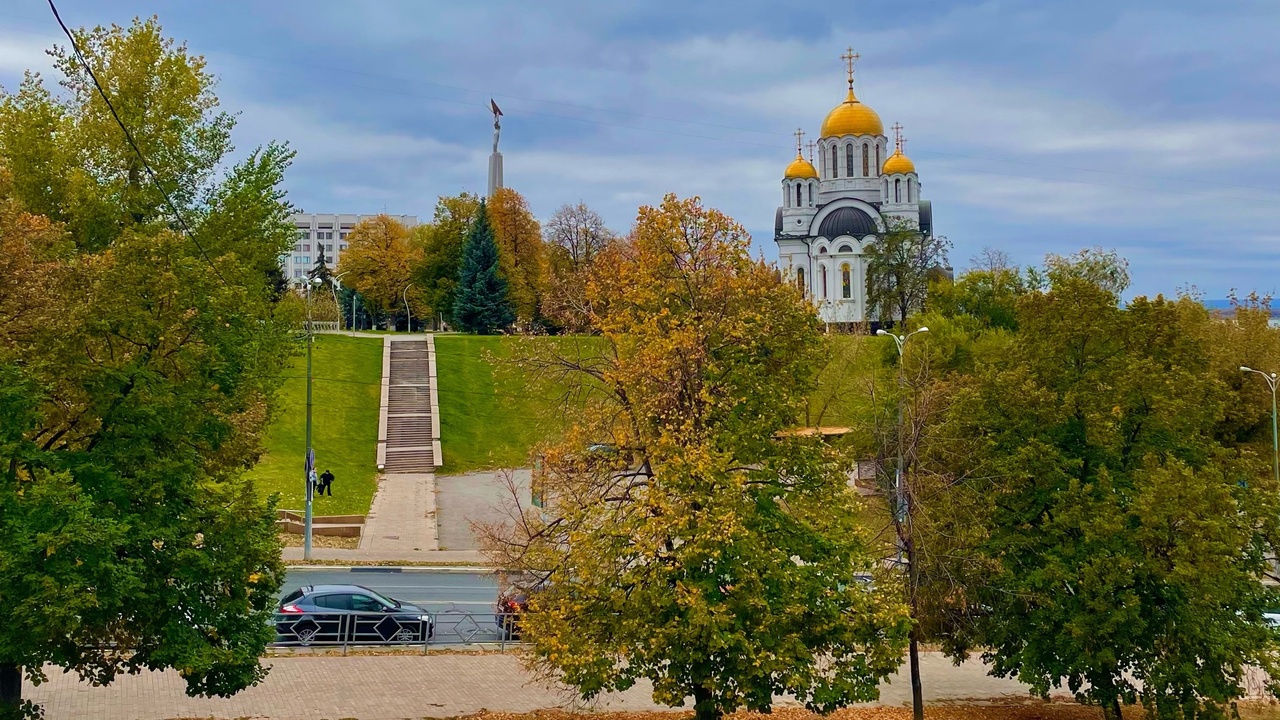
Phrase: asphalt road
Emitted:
{"points": [[462, 604]]}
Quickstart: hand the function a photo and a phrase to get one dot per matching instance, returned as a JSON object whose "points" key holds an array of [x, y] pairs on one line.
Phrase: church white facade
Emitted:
{"points": [[831, 213]]}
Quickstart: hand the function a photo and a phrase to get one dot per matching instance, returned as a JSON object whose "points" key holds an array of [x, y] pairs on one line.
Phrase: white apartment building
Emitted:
{"points": [[316, 230]]}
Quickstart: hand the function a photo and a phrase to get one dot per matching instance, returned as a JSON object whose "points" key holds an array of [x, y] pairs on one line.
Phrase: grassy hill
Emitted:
{"points": [[490, 415], [344, 416]]}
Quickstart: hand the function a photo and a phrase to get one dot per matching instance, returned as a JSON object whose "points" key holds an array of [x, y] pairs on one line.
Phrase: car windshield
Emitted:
{"points": [[380, 597]]}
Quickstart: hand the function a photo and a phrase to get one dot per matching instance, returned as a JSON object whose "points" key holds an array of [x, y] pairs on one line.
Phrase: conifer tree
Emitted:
{"points": [[321, 270], [482, 304]]}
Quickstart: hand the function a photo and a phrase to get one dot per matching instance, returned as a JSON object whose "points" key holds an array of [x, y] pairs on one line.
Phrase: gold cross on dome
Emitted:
{"points": [[811, 144], [850, 57], [897, 136], [799, 139]]}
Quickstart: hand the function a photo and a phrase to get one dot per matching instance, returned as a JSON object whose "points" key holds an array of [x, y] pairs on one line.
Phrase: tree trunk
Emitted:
{"points": [[913, 580], [704, 706], [1111, 709], [10, 687]]}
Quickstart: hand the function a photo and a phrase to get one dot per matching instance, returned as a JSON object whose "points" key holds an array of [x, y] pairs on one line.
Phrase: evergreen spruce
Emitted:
{"points": [[482, 304], [321, 268]]}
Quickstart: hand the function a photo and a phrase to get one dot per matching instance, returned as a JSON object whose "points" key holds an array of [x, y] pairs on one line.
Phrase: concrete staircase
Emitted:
{"points": [[409, 437]]}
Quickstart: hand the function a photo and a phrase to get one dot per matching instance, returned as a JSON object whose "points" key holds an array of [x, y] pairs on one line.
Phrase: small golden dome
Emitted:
{"points": [[800, 168], [851, 117], [897, 163]]}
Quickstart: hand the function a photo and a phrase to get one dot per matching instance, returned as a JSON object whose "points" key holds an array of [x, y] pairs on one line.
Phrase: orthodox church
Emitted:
{"points": [[832, 212]]}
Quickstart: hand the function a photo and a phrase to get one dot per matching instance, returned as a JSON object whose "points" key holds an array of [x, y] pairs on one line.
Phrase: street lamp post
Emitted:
{"points": [[906, 540], [1275, 435], [408, 316], [352, 326], [307, 461], [898, 496]]}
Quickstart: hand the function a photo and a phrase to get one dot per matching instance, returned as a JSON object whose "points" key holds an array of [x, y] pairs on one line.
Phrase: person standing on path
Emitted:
{"points": [[326, 483]]}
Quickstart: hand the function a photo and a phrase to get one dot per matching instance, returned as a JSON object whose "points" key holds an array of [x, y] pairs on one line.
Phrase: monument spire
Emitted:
{"points": [[495, 160]]}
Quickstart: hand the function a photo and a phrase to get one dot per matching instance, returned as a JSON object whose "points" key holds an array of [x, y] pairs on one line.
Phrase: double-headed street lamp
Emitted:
{"points": [[906, 534], [1275, 436], [900, 509]]}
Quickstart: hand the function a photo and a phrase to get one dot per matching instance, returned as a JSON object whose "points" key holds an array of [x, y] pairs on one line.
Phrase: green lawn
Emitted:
{"points": [[490, 417], [347, 373]]}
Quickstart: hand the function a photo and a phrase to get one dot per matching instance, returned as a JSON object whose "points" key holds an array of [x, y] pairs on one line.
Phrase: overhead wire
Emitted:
{"points": [[128, 136], [593, 108]]}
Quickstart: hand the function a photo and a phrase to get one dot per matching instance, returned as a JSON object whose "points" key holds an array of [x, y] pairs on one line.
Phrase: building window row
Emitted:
{"points": [[869, 151]]}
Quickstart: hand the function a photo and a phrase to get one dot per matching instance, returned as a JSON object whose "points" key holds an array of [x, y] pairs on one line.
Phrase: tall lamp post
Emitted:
{"points": [[408, 316], [898, 500], [334, 282], [1275, 436], [309, 460], [906, 540]]}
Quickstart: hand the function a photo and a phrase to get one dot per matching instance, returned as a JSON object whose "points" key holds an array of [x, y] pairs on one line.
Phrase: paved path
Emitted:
{"points": [[402, 518], [397, 556], [394, 687]]}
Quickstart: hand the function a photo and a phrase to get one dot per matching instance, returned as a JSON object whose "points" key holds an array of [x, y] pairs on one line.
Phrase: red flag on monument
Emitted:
{"points": [[494, 106]]}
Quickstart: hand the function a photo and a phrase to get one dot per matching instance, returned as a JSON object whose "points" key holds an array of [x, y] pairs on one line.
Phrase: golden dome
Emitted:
{"points": [[800, 168], [897, 163], [851, 117]]}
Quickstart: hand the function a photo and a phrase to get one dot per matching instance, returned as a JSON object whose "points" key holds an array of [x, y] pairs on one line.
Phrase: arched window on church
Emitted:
{"points": [[846, 283], [810, 194], [886, 189], [912, 193], [824, 282], [848, 161], [799, 202], [878, 164], [835, 165], [897, 190], [866, 161], [786, 196], [800, 279]]}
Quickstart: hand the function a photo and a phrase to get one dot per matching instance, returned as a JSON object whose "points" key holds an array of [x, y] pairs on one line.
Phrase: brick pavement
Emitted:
{"points": [[391, 687]]}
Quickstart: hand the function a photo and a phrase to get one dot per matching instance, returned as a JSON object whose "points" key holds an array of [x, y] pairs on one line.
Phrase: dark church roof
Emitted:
{"points": [[847, 221]]}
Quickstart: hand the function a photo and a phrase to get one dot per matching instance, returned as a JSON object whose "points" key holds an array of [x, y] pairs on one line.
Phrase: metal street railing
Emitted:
{"points": [[448, 628]]}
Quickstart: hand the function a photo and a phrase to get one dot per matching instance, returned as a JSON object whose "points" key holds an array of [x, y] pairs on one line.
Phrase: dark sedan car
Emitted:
{"points": [[348, 614]]}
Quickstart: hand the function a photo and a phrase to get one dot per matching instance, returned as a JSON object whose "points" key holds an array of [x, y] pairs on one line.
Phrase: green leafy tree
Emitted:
{"points": [[900, 264], [442, 244], [73, 163], [989, 296], [138, 376], [481, 304], [703, 549], [1124, 527]]}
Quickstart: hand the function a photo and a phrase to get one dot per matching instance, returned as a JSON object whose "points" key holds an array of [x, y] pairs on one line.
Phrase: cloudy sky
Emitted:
{"points": [[1036, 126]]}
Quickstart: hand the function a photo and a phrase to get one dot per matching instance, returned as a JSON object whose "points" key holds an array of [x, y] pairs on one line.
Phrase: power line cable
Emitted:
{"points": [[128, 136], [922, 151]]}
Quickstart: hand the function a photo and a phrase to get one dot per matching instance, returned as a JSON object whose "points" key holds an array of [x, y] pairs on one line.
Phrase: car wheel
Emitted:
{"points": [[307, 635], [405, 635]]}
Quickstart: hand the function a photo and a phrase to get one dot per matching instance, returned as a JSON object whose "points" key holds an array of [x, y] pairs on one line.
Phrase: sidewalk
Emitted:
{"points": [[400, 557], [394, 687]]}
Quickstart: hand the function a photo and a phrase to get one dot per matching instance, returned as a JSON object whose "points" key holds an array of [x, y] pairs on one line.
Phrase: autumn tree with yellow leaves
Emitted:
{"points": [[685, 538], [379, 261], [520, 254]]}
